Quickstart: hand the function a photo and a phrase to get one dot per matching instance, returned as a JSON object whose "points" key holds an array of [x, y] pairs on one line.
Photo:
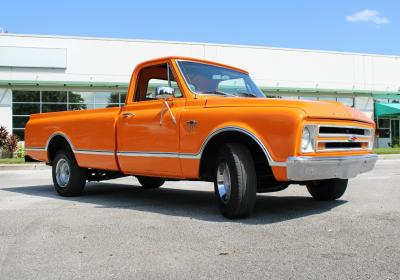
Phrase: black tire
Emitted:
{"points": [[77, 175], [243, 181], [327, 190], [150, 182]]}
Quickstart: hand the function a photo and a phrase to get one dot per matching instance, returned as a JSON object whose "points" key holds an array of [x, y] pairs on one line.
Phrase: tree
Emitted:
{"points": [[113, 99]]}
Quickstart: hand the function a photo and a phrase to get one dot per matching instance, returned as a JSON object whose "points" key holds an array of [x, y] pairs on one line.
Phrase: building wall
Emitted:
{"points": [[95, 59], [5, 108], [329, 75]]}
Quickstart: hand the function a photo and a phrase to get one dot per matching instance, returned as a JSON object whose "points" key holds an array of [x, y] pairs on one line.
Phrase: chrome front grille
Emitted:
{"points": [[343, 138]]}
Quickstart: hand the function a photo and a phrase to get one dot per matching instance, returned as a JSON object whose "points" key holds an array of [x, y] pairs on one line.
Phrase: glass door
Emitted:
{"points": [[383, 133], [395, 132]]}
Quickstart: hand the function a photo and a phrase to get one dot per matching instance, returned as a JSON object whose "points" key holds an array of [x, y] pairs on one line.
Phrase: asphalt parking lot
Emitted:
{"points": [[119, 230]]}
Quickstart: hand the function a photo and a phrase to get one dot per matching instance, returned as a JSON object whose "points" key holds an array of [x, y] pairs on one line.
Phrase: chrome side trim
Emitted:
{"points": [[94, 152], [319, 168], [35, 149], [157, 154]]}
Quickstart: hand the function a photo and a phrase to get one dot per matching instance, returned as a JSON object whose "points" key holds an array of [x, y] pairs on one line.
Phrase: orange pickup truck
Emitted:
{"points": [[192, 119]]}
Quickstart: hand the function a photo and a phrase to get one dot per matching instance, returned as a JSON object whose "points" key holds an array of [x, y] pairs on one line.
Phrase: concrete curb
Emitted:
{"points": [[42, 166], [24, 166]]}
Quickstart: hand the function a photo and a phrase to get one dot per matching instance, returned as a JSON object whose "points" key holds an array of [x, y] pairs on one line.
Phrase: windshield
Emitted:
{"points": [[210, 79]]}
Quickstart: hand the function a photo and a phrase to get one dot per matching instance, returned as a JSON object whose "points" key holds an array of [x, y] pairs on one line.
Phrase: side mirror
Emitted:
{"points": [[164, 92]]}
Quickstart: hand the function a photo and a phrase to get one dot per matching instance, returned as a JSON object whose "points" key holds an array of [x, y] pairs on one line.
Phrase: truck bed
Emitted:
{"points": [[90, 132]]}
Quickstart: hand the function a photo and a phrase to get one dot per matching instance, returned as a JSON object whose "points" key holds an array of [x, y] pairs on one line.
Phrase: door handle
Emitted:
{"points": [[127, 115]]}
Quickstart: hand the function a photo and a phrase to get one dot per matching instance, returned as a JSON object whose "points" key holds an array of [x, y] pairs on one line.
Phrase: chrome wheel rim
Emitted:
{"points": [[63, 173], [224, 182]]}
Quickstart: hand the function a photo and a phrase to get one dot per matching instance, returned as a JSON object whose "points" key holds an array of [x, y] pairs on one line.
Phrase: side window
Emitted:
{"points": [[232, 86], [154, 83], [152, 77]]}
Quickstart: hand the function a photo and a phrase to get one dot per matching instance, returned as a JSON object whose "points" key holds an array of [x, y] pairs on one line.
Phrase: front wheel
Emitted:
{"points": [[326, 190], [69, 179], [150, 182], [235, 181]]}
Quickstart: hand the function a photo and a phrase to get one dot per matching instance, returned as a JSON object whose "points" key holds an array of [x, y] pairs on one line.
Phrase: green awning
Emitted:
{"points": [[387, 109]]}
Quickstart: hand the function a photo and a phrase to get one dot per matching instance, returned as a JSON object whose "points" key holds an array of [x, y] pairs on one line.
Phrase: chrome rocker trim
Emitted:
{"points": [[319, 168]]}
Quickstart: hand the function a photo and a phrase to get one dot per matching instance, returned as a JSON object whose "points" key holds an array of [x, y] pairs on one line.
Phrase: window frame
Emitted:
{"points": [[136, 97]]}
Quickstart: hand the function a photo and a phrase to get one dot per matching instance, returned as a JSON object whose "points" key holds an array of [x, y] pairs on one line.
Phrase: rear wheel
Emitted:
{"points": [[235, 181], [69, 179], [150, 182], [330, 189]]}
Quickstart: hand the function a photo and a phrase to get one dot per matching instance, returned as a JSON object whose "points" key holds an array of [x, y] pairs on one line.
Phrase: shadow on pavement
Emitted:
{"points": [[194, 204]]}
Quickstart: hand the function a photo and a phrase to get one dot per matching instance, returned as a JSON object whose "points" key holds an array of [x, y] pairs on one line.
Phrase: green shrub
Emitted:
{"points": [[20, 152]]}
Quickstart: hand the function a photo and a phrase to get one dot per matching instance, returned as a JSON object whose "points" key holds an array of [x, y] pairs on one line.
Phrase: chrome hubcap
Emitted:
{"points": [[224, 182], [62, 173]]}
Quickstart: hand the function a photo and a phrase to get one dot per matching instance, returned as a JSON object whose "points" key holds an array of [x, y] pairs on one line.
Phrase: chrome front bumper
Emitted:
{"points": [[318, 168]]}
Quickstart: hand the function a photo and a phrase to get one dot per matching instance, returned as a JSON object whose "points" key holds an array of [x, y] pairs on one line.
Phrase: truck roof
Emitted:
{"points": [[155, 60]]}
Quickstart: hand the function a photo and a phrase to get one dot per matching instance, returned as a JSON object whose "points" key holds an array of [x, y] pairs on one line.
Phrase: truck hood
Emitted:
{"points": [[313, 109]]}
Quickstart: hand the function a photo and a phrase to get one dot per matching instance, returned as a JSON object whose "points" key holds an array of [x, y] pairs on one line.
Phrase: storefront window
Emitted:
{"points": [[384, 123], [46, 108], [26, 96], [80, 106], [24, 109], [26, 103], [54, 96], [20, 121]]}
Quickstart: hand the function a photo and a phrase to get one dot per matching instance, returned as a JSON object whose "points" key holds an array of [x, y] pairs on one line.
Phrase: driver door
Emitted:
{"points": [[148, 136]]}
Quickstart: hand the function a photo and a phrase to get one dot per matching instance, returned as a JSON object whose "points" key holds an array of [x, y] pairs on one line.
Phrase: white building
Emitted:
{"points": [[53, 73]]}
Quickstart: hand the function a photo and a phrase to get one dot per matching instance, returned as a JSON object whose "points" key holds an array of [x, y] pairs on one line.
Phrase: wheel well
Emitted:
{"points": [[57, 143], [210, 153]]}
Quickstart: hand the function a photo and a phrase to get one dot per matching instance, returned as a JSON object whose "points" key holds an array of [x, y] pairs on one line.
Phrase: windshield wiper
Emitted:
{"points": [[247, 94], [219, 93], [228, 94]]}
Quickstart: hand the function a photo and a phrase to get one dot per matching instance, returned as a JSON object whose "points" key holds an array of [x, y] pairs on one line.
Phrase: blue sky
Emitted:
{"points": [[340, 25]]}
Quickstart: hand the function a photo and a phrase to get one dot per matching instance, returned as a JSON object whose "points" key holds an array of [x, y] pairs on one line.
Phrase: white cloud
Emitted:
{"points": [[368, 16]]}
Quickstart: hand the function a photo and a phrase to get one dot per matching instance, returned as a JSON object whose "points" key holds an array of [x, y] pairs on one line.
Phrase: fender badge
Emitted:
{"points": [[191, 125]]}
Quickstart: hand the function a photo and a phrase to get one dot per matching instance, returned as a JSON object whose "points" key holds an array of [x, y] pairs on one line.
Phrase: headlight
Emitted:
{"points": [[371, 139], [308, 138]]}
